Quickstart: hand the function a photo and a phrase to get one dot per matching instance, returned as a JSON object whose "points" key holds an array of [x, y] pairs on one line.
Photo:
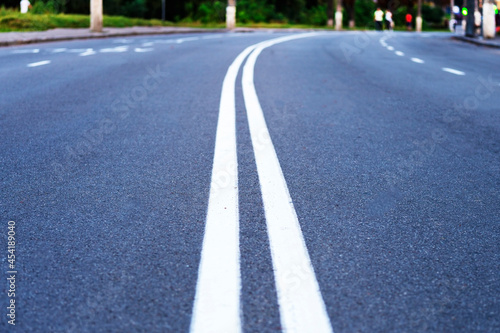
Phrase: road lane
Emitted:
{"points": [[301, 305], [392, 166], [109, 186], [397, 197], [217, 300]]}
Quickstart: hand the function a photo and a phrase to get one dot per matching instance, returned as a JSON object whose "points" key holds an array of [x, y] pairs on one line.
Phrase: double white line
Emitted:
{"points": [[217, 301]]}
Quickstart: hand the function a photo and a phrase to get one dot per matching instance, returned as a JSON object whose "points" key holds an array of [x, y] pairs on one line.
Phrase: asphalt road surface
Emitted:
{"points": [[345, 182]]}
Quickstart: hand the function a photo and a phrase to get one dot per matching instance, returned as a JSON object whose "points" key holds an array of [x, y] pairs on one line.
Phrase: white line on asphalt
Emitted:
{"points": [[188, 39], [40, 63], [417, 60], [301, 305], [217, 302], [399, 53], [26, 51], [59, 50], [140, 50], [390, 48], [148, 44], [117, 49], [87, 53], [122, 41], [453, 71], [165, 41]]}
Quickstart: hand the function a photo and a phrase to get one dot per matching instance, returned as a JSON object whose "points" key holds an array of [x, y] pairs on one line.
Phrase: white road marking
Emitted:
{"points": [[301, 305], [59, 50], [417, 60], [166, 41], [122, 41], [390, 48], [453, 71], [40, 63], [118, 49], [76, 50], [26, 51], [217, 302], [140, 50], [399, 53], [188, 39], [148, 44], [87, 53]]}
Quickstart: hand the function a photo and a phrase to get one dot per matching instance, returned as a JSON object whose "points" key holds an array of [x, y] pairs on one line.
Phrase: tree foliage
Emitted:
{"points": [[286, 11]]}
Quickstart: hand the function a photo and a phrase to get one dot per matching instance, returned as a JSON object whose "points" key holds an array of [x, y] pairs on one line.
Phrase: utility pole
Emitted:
{"points": [[231, 14], [163, 10], [470, 26], [488, 19], [418, 21], [338, 16], [96, 15]]}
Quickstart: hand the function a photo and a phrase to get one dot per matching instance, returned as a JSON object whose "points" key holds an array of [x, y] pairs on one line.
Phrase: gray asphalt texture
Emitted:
{"points": [[393, 166]]}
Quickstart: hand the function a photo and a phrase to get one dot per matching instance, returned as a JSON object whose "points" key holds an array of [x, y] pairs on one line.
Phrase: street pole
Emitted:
{"points": [[338, 16], [418, 21], [96, 15], [469, 27], [163, 10], [231, 14]]}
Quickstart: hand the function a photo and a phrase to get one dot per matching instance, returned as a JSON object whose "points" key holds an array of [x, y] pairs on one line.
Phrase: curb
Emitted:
{"points": [[476, 41], [95, 35]]}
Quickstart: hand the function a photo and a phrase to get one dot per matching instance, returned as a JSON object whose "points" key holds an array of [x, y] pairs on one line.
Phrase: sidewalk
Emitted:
{"points": [[16, 38], [495, 42]]}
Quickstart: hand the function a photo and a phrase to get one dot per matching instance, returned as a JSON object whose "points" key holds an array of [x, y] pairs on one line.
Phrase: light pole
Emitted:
{"points": [[469, 27], [231, 14], [96, 15]]}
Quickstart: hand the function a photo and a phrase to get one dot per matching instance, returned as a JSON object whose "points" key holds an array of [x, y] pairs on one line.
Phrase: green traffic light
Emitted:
{"points": [[464, 11]]}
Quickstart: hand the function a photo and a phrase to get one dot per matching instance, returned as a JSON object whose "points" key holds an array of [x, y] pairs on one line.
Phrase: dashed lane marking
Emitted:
{"points": [[87, 53], [26, 51], [453, 71], [142, 50], [118, 49], [40, 63]]}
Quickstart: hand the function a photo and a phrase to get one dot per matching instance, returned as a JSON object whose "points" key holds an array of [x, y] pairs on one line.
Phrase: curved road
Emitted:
{"points": [[354, 185]]}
